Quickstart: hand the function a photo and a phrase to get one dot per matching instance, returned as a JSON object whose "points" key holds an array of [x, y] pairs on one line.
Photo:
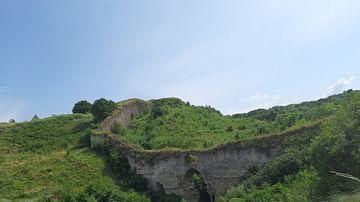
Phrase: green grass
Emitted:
{"points": [[180, 125], [172, 123], [48, 156], [295, 188], [51, 156]]}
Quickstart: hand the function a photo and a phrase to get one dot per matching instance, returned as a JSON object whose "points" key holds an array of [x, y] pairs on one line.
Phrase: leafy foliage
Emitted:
{"points": [[338, 146], [51, 156], [118, 129], [102, 108], [295, 188], [82, 107], [304, 172], [102, 191], [173, 123]]}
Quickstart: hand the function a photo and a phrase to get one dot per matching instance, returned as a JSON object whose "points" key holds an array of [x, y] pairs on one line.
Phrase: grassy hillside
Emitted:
{"points": [[174, 123], [305, 171], [51, 156]]}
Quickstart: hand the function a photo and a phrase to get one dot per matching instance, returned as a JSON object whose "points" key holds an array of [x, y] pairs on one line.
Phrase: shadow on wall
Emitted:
{"points": [[194, 186]]}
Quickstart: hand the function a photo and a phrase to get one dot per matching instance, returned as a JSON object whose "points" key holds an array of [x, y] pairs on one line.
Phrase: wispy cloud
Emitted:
{"points": [[340, 85], [3, 88], [11, 109]]}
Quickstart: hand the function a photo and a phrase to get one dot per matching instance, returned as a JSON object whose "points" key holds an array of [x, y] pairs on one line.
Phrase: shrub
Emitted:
{"points": [[118, 129], [102, 108], [237, 136], [338, 148], [296, 188], [192, 159], [82, 107], [229, 129], [100, 191]]}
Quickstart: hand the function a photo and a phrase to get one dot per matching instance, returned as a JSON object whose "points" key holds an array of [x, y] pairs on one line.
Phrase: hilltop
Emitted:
{"points": [[173, 123], [50, 159]]}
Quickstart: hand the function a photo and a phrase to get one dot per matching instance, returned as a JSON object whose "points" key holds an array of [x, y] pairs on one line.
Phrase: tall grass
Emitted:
{"points": [[47, 157]]}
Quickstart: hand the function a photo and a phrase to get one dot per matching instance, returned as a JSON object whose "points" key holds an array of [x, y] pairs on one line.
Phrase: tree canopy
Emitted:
{"points": [[82, 107], [102, 108]]}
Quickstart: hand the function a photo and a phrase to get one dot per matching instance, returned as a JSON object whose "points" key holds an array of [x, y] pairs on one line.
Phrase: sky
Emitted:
{"points": [[234, 55]]}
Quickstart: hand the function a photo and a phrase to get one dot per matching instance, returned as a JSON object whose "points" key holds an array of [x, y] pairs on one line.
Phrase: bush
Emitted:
{"points": [[192, 159], [338, 148], [118, 129], [100, 191], [295, 188], [275, 170], [102, 108], [82, 107], [229, 129]]}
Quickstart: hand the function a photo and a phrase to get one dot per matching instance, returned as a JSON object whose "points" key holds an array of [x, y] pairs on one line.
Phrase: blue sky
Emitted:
{"points": [[233, 55]]}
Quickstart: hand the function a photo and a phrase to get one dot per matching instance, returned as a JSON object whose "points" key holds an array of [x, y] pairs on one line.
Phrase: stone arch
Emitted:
{"points": [[159, 187], [190, 192]]}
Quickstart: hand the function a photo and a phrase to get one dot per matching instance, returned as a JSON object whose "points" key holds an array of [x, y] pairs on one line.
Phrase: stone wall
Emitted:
{"points": [[221, 167], [127, 110]]}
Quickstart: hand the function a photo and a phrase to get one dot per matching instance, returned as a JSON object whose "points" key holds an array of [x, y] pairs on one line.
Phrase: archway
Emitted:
{"points": [[195, 188]]}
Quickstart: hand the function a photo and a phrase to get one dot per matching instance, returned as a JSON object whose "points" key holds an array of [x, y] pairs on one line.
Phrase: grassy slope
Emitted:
{"points": [[47, 156], [172, 123], [51, 155], [274, 182], [187, 127]]}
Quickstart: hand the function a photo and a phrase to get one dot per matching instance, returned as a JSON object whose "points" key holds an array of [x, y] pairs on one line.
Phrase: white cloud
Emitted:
{"points": [[340, 85]]}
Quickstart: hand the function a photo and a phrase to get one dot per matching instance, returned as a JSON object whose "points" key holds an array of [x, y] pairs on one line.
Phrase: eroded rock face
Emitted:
{"points": [[221, 167], [125, 113]]}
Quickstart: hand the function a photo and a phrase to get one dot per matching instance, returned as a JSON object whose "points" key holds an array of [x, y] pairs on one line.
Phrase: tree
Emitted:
{"points": [[82, 107], [337, 148], [102, 108]]}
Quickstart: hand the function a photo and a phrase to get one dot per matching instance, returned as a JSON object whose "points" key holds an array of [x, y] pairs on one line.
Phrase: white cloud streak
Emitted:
{"points": [[340, 85]]}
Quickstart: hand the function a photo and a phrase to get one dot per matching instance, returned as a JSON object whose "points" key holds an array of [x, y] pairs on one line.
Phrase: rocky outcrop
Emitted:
{"points": [[221, 167], [127, 110]]}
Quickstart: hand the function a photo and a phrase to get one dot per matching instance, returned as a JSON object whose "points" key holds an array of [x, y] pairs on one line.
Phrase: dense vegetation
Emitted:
{"points": [[50, 159], [102, 108], [307, 170], [173, 123], [82, 107]]}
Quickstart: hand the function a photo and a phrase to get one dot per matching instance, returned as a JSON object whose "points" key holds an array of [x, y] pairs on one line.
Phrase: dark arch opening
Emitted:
{"points": [[195, 186], [159, 187]]}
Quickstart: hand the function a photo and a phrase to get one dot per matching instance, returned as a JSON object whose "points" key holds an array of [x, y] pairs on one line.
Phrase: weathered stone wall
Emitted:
{"points": [[125, 113], [221, 167]]}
